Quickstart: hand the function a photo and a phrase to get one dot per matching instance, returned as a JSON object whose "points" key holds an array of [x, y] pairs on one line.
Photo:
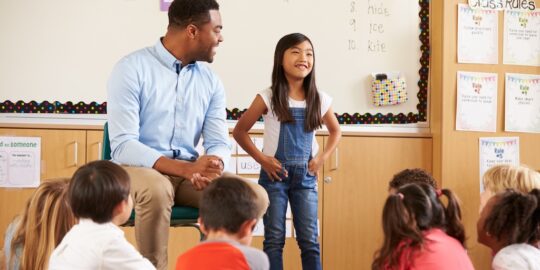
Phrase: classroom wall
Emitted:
{"points": [[456, 153]]}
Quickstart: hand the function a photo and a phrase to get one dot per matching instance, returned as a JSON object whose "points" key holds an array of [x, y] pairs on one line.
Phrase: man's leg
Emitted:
{"points": [[152, 195]]}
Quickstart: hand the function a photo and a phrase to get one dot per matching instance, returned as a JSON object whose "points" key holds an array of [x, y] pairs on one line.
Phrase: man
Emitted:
{"points": [[161, 100]]}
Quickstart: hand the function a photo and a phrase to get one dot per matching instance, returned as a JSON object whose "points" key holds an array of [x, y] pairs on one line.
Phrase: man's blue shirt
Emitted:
{"points": [[158, 108]]}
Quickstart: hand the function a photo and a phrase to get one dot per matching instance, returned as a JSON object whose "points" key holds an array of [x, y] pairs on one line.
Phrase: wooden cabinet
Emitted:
{"points": [[94, 144], [356, 186], [62, 151]]}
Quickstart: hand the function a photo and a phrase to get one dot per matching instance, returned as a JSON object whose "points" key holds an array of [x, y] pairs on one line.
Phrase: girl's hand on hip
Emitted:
{"points": [[273, 168], [315, 165]]}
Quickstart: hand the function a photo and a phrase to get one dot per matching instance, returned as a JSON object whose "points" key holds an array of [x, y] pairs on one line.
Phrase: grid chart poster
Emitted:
{"points": [[20, 159], [478, 32], [522, 103], [476, 101], [522, 38], [496, 151]]}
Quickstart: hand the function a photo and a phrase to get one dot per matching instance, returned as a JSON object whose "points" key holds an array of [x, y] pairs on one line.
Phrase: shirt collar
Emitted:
{"points": [[167, 58]]}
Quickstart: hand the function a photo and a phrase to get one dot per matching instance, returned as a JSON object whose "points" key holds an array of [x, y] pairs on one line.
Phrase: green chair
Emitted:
{"points": [[181, 216]]}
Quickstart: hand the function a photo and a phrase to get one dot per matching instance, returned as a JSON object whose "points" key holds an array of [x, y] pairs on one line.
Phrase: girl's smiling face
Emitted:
{"points": [[298, 61]]}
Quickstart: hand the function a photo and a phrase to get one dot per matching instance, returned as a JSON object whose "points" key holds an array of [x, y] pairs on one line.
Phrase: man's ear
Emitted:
{"points": [[192, 31], [201, 226], [246, 229]]}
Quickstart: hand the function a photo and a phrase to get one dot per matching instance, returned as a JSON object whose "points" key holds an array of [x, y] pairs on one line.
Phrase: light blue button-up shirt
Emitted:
{"points": [[155, 108]]}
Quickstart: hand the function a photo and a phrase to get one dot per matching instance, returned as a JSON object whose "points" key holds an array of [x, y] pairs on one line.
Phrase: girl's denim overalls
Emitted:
{"points": [[300, 188]]}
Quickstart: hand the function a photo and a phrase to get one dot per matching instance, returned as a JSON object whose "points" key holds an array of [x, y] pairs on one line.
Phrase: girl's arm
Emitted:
{"points": [[331, 123], [240, 133]]}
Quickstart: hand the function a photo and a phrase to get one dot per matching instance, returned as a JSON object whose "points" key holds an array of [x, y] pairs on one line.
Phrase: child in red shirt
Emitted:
{"points": [[228, 214], [416, 237]]}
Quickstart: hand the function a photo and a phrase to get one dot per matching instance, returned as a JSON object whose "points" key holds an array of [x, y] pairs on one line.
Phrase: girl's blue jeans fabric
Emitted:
{"points": [[300, 188]]}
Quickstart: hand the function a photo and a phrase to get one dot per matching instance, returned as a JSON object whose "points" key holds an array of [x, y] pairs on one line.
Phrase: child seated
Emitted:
{"points": [[501, 177], [408, 176], [411, 238], [99, 197], [31, 237], [228, 214], [509, 224]]}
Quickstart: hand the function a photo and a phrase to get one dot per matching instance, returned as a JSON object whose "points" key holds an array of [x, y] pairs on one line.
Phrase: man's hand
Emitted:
{"points": [[207, 166], [199, 182]]}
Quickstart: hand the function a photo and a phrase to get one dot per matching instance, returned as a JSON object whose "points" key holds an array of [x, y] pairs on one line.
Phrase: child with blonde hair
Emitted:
{"points": [[31, 238], [501, 177]]}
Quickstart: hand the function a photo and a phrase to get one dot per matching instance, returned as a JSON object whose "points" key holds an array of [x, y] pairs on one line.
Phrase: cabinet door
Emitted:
{"points": [[356, 186], [62, 152], [94, 144]]}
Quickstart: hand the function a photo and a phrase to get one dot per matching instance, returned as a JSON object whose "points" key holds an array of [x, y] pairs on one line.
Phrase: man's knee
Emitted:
{"points": [[150, 186]]}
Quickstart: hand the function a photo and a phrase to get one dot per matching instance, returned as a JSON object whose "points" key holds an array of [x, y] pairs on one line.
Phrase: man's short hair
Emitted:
{"points": [[185, 12], [227, 203], [96, 189], [408, 176]]}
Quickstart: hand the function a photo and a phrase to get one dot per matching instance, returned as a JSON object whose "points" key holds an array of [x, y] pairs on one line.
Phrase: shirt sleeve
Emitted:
{"points": [[508, 259], [326, 102], [215, 131], [120, 254], [123, 105], [266, 96]]}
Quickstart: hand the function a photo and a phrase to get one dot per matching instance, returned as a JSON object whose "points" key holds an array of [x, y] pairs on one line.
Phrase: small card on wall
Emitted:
{"points": [[477, 35], [248, 165], [20, 161], [258, 141], [496, 151], [232, 165], [522, 103], [476, 101], [164, 5]]}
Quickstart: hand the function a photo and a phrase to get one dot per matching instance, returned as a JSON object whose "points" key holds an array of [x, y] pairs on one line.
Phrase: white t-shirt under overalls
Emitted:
{"points": [[272, 125]]}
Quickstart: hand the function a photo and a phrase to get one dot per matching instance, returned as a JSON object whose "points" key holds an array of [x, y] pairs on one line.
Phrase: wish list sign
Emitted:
{"points": [[495, 151], [20, 161]]}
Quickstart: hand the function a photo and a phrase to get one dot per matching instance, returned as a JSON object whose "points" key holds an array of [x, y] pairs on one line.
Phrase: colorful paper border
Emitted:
{"points": [[235, 113]]}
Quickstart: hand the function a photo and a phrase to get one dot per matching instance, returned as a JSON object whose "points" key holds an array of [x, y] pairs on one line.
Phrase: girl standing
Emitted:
{"points": [[292, 109]]}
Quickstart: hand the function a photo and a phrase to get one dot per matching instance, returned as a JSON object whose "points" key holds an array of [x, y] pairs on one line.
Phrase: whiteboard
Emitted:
{"points": [[64, 50]]}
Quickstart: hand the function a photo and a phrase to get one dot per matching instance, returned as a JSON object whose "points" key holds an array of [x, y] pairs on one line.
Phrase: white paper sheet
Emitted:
{"points": [[478, 35], [495, 151], [522, 38], [20, 161], [522, 103], [476, 101]]}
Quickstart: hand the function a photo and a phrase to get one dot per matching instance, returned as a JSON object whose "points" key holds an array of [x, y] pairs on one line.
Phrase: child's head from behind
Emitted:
{"points": [[510, 217], [43, 224], [502, 177], [99, 191], [228, 206], [412, 209], [409, 176]]}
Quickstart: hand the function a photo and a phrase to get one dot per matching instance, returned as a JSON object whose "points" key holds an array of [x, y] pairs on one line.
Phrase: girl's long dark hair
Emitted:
{"points": [[415, 208], [405, 215], [280, 86]]}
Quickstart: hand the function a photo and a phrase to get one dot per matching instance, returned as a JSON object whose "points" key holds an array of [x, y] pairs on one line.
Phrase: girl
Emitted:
{"points": [[292, 109], [419, 233], [31, 238], [509, 224]]}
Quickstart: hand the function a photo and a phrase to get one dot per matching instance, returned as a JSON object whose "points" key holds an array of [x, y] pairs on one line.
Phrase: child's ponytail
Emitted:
{"points": [[454, 227], [400, 226]]}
